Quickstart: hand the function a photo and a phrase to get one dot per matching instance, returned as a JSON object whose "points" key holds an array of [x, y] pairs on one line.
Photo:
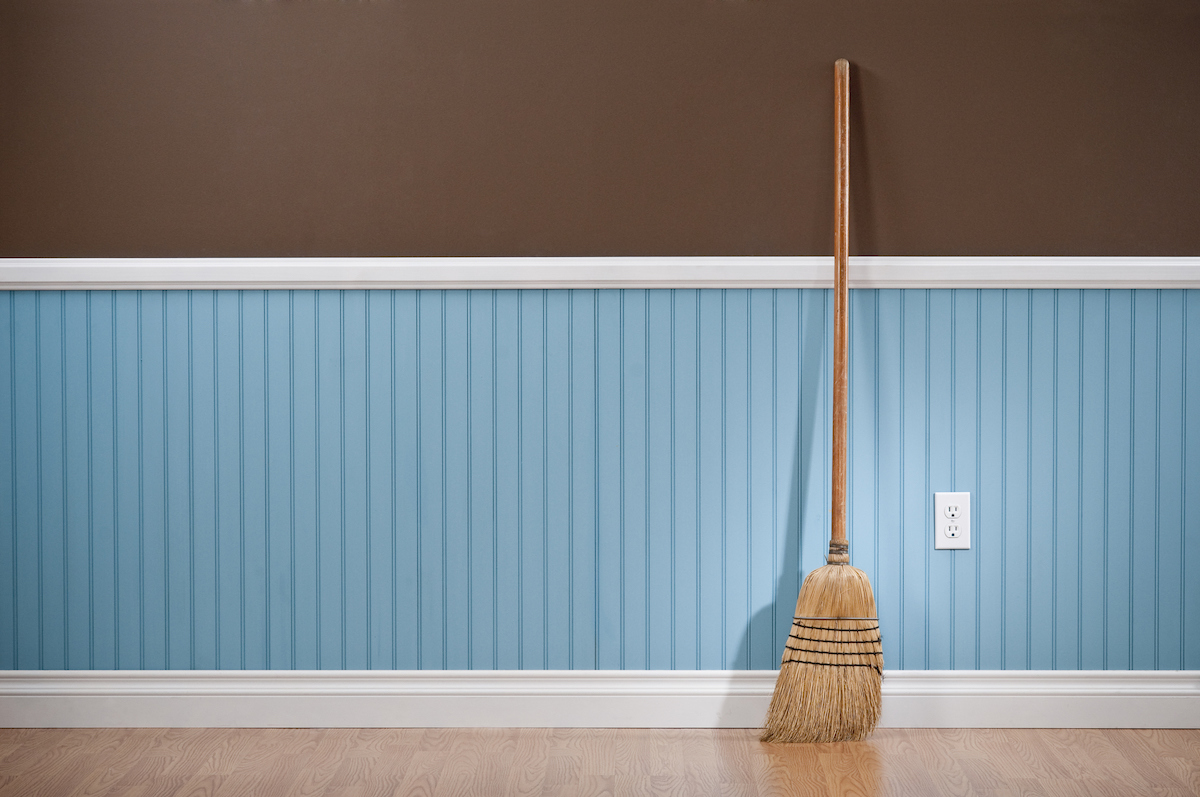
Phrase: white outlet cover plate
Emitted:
{"points": [[952, 521]]}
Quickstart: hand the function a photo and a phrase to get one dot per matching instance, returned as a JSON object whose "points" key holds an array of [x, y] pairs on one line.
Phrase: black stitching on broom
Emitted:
{"points": [[836, 641], [831, 617], [834, 652], [798, 618], [829, 664], [840, 630]]}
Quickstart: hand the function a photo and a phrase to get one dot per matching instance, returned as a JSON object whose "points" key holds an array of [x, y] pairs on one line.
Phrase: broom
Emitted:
{"points": [[829, 682]]}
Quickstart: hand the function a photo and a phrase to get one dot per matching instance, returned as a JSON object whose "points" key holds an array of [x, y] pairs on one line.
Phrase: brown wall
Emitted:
{"points": [[596, 127]]}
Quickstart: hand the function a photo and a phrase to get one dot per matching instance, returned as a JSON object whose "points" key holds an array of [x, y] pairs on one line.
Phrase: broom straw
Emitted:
{"points": [[830, 677]]}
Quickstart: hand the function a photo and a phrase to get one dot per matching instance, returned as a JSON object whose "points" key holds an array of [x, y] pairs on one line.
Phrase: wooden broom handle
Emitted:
{"points": [[838, 547]]}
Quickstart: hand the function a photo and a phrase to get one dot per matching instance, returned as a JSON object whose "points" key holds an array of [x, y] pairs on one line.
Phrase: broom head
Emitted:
{"points": [[829, 683]]}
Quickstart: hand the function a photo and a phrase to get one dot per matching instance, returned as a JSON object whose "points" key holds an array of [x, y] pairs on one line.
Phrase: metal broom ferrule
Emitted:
{"points": [[839, 553]]}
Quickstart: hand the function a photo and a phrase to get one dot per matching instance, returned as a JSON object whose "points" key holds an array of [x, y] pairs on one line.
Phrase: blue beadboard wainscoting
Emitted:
{"points": [[579, 479]]}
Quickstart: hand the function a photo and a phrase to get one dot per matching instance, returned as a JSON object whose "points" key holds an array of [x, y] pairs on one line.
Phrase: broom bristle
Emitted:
{"points": [[832, 671]]}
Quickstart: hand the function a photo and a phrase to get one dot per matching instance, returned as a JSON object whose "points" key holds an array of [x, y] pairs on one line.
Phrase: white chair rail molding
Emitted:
{"points": [[596, 272]]}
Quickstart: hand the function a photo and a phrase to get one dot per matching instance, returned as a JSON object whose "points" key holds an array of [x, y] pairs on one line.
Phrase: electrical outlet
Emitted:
{"points": [[952, 520]]}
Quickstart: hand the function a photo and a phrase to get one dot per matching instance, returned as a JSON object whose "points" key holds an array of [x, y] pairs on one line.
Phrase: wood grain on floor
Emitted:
{"points": [[148, 762]]}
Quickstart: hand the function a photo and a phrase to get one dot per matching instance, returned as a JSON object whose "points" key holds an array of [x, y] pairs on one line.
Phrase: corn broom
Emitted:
{"points": [[829, 682]]}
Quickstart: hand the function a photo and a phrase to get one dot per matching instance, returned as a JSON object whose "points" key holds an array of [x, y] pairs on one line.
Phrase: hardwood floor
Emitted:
{"points": [[147, 762]]}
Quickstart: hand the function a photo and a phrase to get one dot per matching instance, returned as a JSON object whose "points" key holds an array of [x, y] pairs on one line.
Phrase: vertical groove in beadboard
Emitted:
{"points": [[317, 452], [1079, 498], [1029, 377], [368, 504], [356, 572], [826, 460], [699, 547], [902, 486], [545, 348], [724, 479], [596, 476], [115, 494], [216, 452], [191, 481], [470, 485], [393, 604], [1157, 467], [1188, 365], [418, 614], [621, 636], [241, 394], [519, 343], [266, 484], [927, 319], [1053, 489], [646, 456], [570, 642], [520, 530], [91, 502], [64, 503], [1105, 498], [774, 459], [442, 484], [673, 558], [978, 473], [875, 426], [166, 473], [292, 474], [495, 500], [1132, 493], [141, 508], [953, 461], [341, 330], [37, 468], [1003, 498], [12, 430], [749, 491], [1183, 469]]}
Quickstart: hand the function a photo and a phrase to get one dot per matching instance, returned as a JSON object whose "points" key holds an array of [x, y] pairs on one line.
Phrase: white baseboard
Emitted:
{"points": [[64, 273], [631, 699]]}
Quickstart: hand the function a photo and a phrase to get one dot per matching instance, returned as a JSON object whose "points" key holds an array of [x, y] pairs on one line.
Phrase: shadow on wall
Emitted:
{"points": [[774, 620]]}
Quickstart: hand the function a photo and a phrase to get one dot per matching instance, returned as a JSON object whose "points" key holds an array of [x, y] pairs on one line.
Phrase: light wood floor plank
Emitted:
{"points": [[901, 770], [527, 775], [1145, 754], [134, 742], [1107, 762], [148, 762], [144, 775]]}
